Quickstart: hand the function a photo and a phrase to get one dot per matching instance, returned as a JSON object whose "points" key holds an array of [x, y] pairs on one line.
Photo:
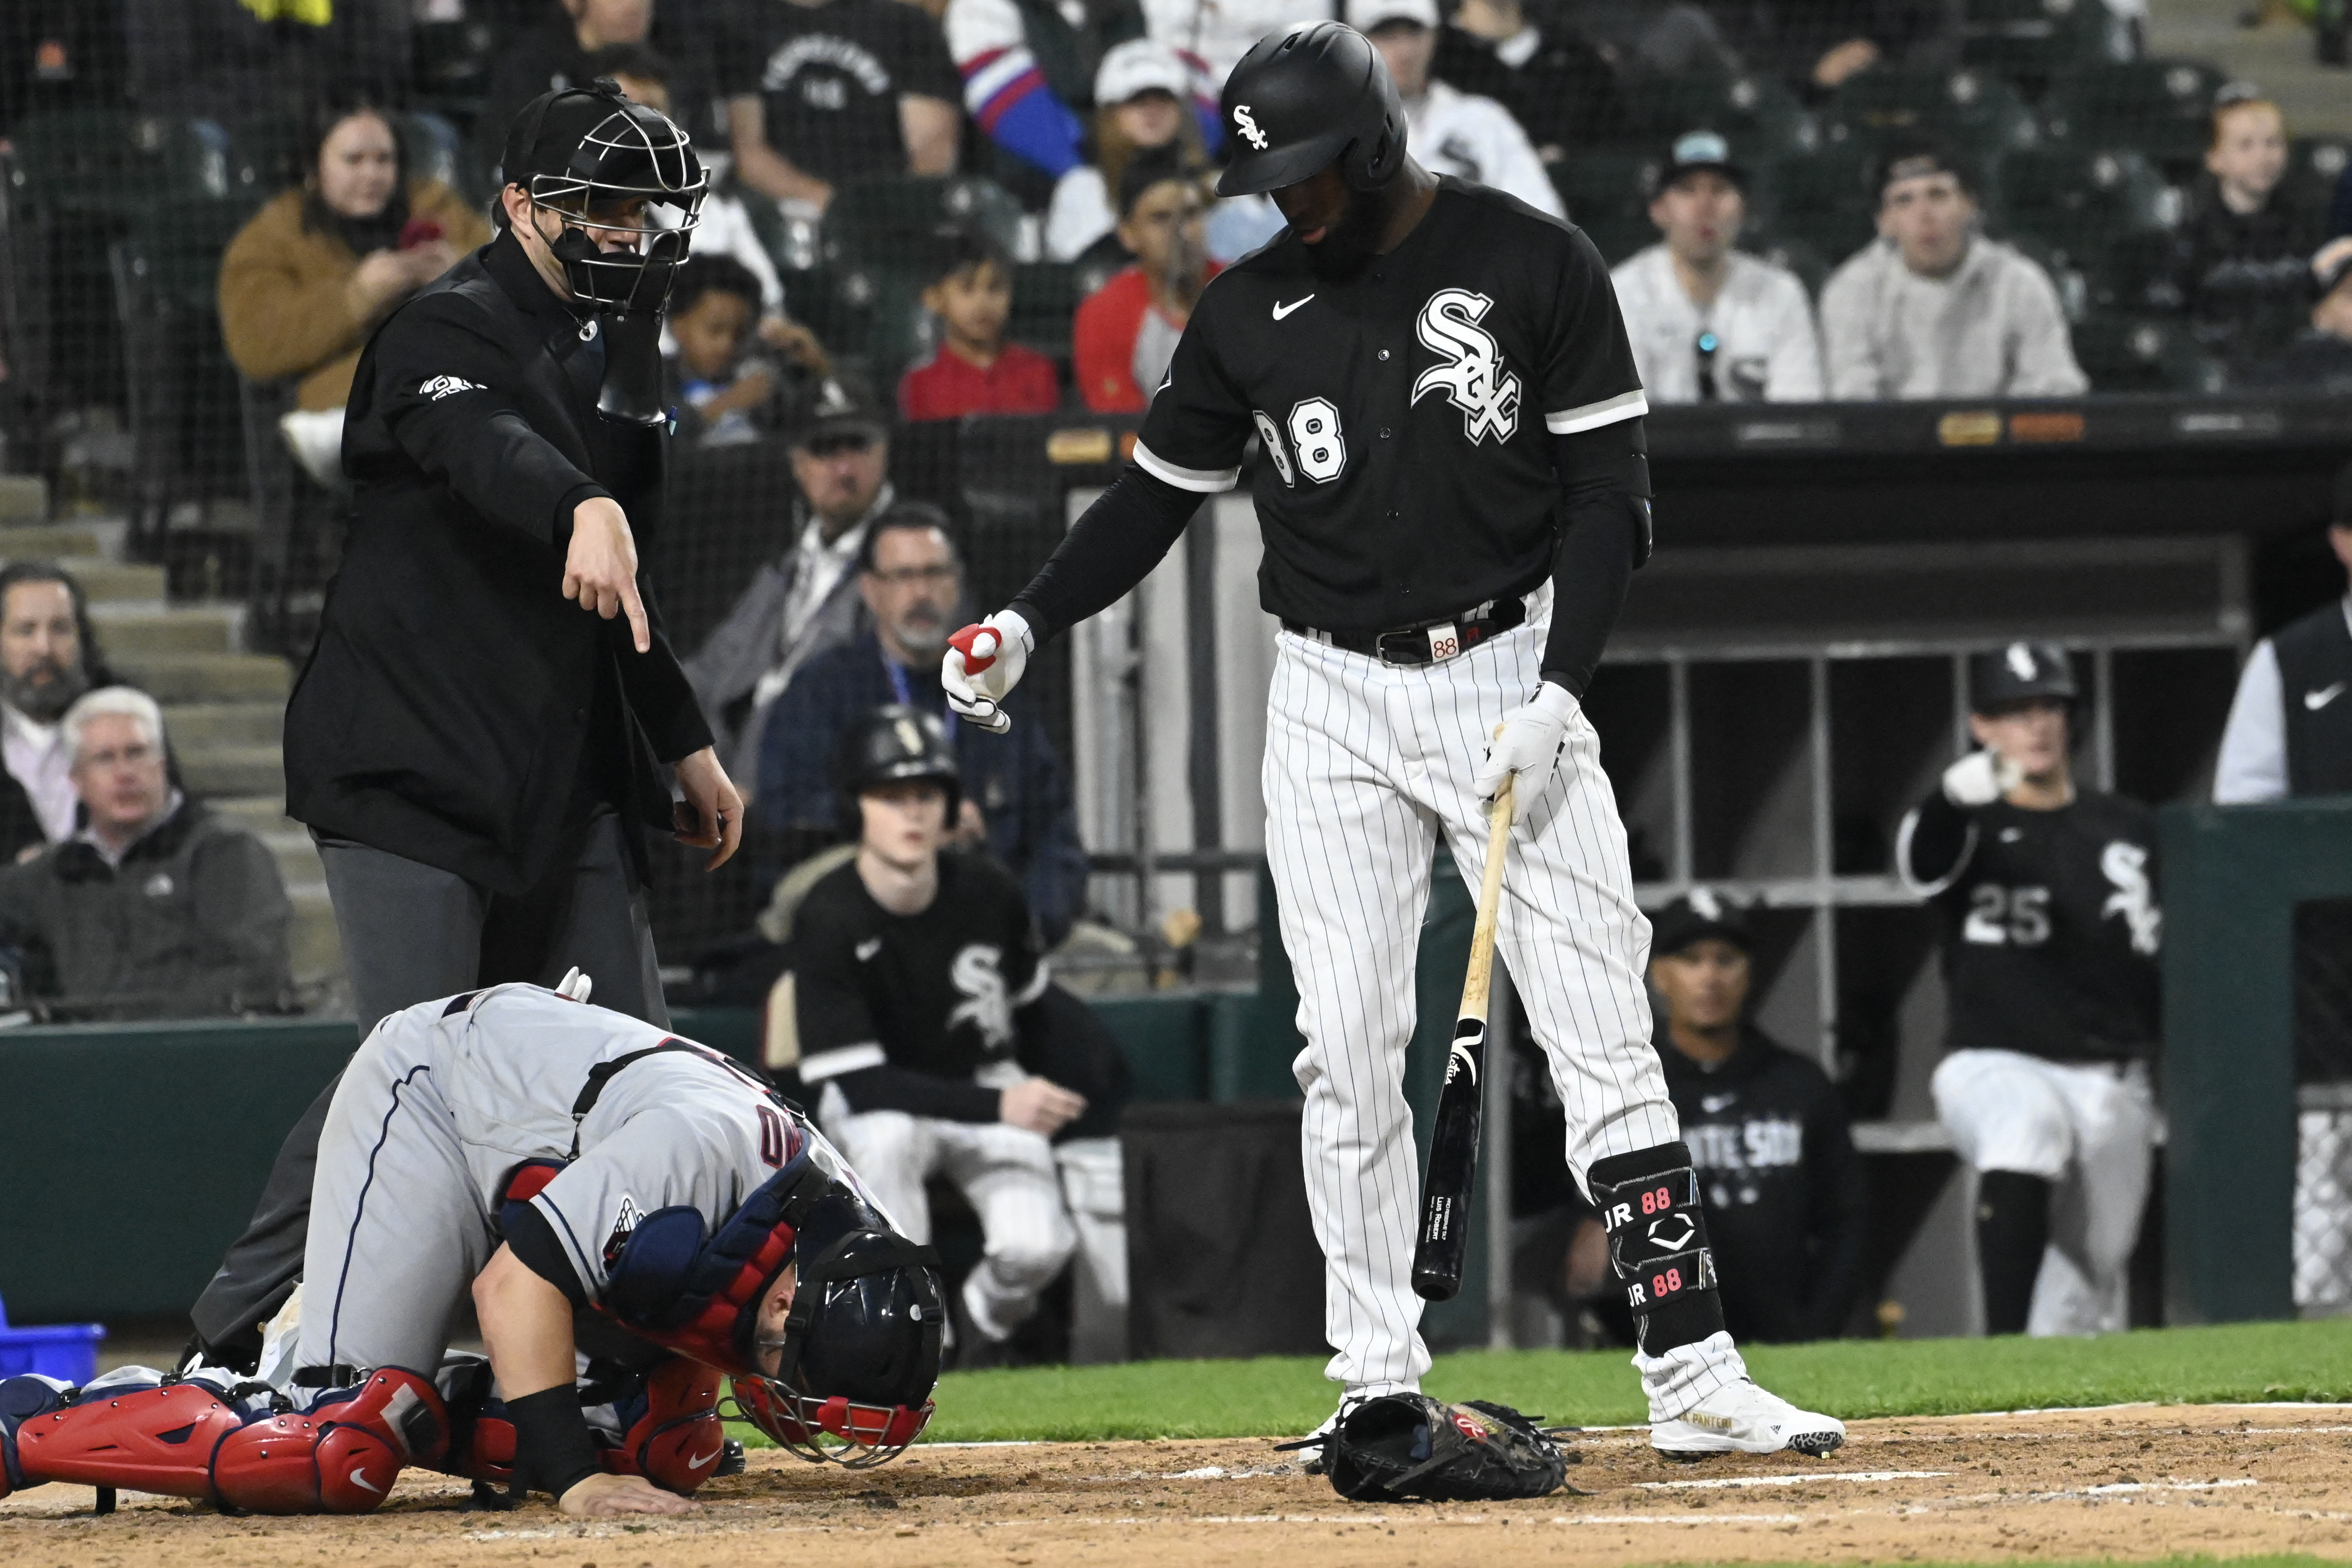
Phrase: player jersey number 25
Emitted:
{"points": [[2007, 917]]}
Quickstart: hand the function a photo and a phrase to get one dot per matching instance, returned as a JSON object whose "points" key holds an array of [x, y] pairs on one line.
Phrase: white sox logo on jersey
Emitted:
{"points": [[1248, 127], [977, 973], [1474, 379], [2125, 866]]}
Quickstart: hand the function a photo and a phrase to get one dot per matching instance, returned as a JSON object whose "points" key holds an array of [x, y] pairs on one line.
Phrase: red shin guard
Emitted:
{"points": [[338, 1457], [150, 1440], [679, 1440]]}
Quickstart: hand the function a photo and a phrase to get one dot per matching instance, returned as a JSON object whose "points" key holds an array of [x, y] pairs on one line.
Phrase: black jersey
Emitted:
{"points": [[2052, 925], [1403, 410], [882, 998], [1786, 1206]]}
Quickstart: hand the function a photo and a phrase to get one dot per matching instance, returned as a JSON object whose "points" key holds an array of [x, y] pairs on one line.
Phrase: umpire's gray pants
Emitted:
{"points": [[412, 933]]}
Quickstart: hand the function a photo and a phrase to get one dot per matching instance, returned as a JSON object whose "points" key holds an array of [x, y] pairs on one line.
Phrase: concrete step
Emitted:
{"points": [[194, 628], [231, 770], [35, 541], [24, 498], [113, 581], [262, 814], [226, 723], [297, 859], [209, 677]]}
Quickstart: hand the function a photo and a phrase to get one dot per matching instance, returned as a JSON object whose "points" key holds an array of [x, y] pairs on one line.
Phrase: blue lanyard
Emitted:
{"points": [[906, 696]]}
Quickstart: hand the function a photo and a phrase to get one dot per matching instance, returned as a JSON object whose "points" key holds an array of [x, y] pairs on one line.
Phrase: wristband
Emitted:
{"points": [[553, 1452]]}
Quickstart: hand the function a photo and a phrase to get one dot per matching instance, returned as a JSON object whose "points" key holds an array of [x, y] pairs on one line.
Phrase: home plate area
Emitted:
{"points": [[2126, 1482]]}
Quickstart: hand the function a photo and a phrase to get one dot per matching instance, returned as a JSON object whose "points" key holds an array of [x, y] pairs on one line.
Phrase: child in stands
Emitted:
{"points": [[974, 369]]}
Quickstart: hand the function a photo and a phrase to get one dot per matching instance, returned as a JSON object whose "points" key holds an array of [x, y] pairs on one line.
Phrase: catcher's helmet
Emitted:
{"points": [[2021, 672], [578, 149], [889, 744], [1305, 96]]}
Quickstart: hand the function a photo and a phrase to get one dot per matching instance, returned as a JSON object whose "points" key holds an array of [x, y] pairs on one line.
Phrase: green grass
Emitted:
{"points": [[1288, 1395]]}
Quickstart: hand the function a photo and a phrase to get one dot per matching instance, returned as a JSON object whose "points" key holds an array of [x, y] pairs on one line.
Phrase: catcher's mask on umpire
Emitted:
{"points": [[1303, 97], [598, 161], [2021, 673], [887, 745]]}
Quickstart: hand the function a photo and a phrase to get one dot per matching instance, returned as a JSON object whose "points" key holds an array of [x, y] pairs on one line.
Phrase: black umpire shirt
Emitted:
{"points": [[2051, 923], [1407, 412], [458, 710]]}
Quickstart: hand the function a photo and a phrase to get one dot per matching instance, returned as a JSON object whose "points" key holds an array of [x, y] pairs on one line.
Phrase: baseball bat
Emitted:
{"points": [[1453, 1145]]}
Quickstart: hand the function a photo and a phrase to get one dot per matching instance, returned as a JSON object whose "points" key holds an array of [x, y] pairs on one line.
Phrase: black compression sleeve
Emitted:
{"points": [[1939, 842], [553, 1452], [887, 1088], [533, 1242], [1106, 552], [1605, 482]]}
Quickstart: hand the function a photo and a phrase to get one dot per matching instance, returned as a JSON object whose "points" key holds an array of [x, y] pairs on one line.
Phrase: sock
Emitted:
{"points": [[2013, 1228]]}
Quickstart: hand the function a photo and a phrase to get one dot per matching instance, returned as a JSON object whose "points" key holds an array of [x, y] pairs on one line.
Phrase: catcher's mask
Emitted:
{"points": [[598, 161], [859, 1353]]}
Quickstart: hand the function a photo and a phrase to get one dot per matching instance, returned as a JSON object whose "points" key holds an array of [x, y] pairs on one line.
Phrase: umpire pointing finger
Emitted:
{"points": [[476, 756]]}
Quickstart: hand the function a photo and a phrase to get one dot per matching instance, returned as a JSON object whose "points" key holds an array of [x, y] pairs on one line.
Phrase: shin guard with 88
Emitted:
{"points": [[1649, 1204]]}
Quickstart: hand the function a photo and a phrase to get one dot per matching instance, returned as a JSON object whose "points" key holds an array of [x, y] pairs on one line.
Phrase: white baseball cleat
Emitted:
{"points": [[1742, 1418]]}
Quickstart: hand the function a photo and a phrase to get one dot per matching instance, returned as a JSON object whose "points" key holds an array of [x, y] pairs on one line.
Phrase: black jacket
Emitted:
{"points": [[458, 710], [1785, 1200], [2245, 279]]}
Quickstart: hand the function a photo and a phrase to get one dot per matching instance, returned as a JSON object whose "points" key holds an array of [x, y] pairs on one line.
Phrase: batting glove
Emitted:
{"points": [[982, 664], [1530, 743], [1980, 778]]}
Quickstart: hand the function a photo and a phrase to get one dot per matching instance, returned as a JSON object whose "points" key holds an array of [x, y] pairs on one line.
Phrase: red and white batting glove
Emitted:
{"points": [[1529, 745], [982, 665]]}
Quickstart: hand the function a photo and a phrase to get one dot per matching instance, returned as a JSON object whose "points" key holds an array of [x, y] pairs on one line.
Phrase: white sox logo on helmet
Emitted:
{"points": [[1248, 127], [1473, 379]]}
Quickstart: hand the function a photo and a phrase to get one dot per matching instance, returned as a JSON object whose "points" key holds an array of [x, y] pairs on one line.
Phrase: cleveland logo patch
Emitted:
{"points": [[624, 1226], [1473, 377]]}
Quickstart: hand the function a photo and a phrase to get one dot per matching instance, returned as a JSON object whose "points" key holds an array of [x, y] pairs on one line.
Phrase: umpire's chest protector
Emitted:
{"points": [[456, 699]]}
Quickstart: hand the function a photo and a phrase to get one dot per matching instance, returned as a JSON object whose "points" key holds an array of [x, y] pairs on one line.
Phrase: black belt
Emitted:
{"points": [[1415, 644]]}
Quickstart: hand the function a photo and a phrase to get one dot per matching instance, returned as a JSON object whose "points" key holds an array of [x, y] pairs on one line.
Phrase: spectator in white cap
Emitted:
{"points": [[1708, 323], [1142, 100], [1450, 132]]}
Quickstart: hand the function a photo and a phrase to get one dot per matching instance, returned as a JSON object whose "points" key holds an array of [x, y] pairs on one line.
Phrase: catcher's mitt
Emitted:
{"points": [[1410, 1445]]}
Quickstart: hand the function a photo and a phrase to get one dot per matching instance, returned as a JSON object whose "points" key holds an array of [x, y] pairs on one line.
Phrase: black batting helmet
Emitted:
{"points": [[1303, 97], [589, 147], [889, 744], [2021, 672]]}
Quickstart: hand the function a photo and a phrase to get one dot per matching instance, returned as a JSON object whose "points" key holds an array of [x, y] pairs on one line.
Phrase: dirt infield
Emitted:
{"points": [[2132, 1482]]}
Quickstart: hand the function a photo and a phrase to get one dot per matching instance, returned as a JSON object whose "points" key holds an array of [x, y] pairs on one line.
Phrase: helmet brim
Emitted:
{"points": [[1255, 174]]}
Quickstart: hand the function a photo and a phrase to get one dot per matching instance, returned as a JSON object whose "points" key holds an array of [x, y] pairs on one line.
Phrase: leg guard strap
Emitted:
{"points": [[1649, 1204]]}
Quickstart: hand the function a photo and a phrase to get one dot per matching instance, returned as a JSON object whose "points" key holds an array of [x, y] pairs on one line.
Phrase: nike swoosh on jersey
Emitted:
{"points": [[868, 948], [1281, 309], [2315, 700]]}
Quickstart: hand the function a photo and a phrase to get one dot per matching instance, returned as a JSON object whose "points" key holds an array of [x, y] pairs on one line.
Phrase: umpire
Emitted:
{"points": [[475, 758]]}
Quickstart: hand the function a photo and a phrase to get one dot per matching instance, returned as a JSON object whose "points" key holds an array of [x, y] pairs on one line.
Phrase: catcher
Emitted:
{"points": [[557, 1159]]}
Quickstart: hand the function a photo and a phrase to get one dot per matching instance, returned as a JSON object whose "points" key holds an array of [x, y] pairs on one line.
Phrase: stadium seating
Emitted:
{"points": [[2036, 39], [2079, 200], [2125, 354], [1607, 195], [181, 391], [1825, 199], [2160, 109], [1760, 117], [891, 220], [1979, 112]]}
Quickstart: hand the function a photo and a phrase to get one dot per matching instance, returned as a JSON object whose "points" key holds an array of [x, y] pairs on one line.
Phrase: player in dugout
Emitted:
{"points": [[616, 1199], [934, 1043], [2048, 896]]}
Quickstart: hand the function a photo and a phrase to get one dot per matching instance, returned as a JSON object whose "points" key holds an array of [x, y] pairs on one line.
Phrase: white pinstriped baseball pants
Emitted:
{"points": [[1367, 764]]}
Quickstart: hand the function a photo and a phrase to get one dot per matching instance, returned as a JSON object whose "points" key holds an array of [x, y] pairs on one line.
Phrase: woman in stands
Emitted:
{"points": [[1140, 98], [304, 283]]}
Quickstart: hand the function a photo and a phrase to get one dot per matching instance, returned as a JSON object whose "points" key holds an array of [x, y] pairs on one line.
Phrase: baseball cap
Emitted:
{"points": [[1365, 14], [835, 405], [1912, 158], [1139, 66], [1695, 916], [1693, 151]]}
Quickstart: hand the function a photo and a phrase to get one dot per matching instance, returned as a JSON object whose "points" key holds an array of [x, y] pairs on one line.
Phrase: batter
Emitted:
{"points": [[1453, 496]]}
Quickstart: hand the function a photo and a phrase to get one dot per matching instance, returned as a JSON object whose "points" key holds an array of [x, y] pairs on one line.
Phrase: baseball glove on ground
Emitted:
{"points": [[1410, 1445]]}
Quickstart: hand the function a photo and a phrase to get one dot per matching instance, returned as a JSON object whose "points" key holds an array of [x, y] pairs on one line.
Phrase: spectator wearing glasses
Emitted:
{"points": [[1126, 330], [1932, 308], [1707, 323], [155, 908], [804, 600], [1015, 799], [1451, 132]]}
